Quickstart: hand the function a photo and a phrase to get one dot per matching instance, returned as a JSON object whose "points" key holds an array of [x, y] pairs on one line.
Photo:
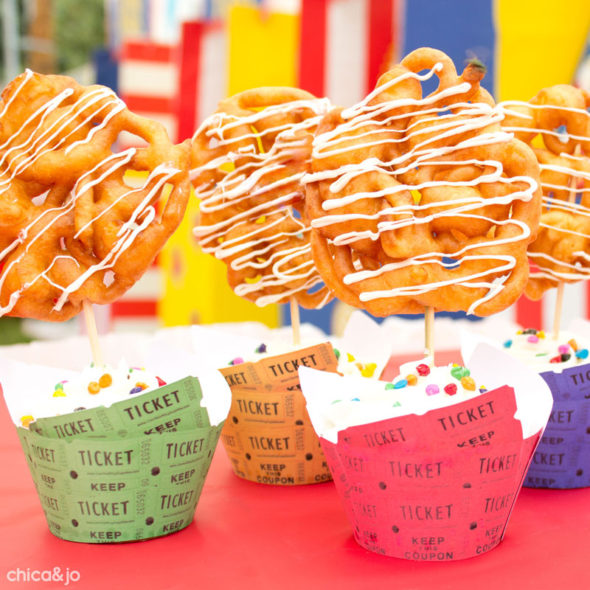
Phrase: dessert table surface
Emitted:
{"points": [[248, 535]]}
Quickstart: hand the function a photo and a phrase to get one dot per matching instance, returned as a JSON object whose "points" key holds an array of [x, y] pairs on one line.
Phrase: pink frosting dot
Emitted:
{"points": [[432, 389], [563, 349], [533, 338]]}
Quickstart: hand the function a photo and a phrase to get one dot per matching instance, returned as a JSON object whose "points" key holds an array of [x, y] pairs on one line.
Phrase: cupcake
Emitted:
{"points": [[562, 459], [429, 466], [268, 436], [116, 454]]}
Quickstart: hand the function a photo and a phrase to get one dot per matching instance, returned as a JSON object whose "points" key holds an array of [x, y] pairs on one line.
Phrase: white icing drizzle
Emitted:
{"points": [[550, 267], [98, 103], [461, 125], [261, 176]]}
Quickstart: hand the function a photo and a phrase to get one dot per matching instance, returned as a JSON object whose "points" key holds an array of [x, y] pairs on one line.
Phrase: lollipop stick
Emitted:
{"points": [[92, 333], [295, 321], [429, 333], [561, 284], [558, 308]]}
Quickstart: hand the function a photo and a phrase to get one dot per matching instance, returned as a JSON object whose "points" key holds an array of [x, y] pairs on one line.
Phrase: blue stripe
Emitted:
{"points": [[322, 318], [208, 9], [461, 28]]}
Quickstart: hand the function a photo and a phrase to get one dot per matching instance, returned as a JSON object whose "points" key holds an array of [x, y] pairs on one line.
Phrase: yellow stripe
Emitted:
{"points": [[262, 52], [196, 289], [262, 48], [539, 44]]}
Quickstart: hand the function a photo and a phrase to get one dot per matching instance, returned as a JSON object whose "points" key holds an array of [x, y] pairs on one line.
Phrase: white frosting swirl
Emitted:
{"points": [[89, 389]]}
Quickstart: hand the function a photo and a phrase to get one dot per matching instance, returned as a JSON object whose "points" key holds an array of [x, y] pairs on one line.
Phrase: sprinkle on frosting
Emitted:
{"points": [[93, 387], [432, 380], [532, 347], [423, 370], [451, 389], [105, 380]]}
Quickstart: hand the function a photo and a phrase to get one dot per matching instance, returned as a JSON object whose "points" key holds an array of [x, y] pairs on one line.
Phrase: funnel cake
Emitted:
{"points": [[557, 124], [73, 227], [422, 201], [248, 159]]}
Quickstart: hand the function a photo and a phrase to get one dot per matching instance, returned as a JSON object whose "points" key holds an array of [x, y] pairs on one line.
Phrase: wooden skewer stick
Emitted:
{"points": [[90, 320], [295, 322], [558, 308], [561, 284], [429, 333]]}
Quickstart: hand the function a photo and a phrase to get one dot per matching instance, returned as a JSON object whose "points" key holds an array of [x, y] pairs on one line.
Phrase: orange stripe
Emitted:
{"points": [[190, 54], [134, 308], [146, 51], [380, 38], [151, 104], [312, 55], [529, 314]]}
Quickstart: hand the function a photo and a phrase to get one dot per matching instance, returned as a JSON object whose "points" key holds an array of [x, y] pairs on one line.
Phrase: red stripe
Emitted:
{"points": [[529, 314], [134, 308], [146, 51], [190, 64], [149, 104], [312, 50], [380, 37]]}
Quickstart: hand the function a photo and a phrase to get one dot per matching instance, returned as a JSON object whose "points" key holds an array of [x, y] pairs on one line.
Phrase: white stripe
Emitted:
{"points": [[150, 286], [148, 78], [284, 6], [574, 305], [164, 24], [213, 72], [346, 51], [507, 315]]}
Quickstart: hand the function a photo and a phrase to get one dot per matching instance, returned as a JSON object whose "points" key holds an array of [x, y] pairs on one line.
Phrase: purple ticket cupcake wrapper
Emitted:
{"points": [[562, 459]]}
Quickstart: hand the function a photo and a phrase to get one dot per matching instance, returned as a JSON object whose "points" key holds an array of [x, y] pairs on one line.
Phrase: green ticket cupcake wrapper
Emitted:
{"points": [[176, 406], [127, 478]]}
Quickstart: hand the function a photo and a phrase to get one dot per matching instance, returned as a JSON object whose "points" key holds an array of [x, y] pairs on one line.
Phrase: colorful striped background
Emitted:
{"points": [[338, 48]]}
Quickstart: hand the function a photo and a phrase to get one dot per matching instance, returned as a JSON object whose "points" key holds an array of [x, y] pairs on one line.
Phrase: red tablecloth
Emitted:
{"points": [[247, 535]]}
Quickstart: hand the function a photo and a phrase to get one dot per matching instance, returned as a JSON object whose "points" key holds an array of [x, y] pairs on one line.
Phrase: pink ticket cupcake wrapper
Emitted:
{"points": [[437, 488], [437, 477]]}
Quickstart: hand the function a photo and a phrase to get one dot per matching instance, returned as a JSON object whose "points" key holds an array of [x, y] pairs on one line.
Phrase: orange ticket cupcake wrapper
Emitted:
{"points": [[277, 455], [268, 435], [275, 372]]}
